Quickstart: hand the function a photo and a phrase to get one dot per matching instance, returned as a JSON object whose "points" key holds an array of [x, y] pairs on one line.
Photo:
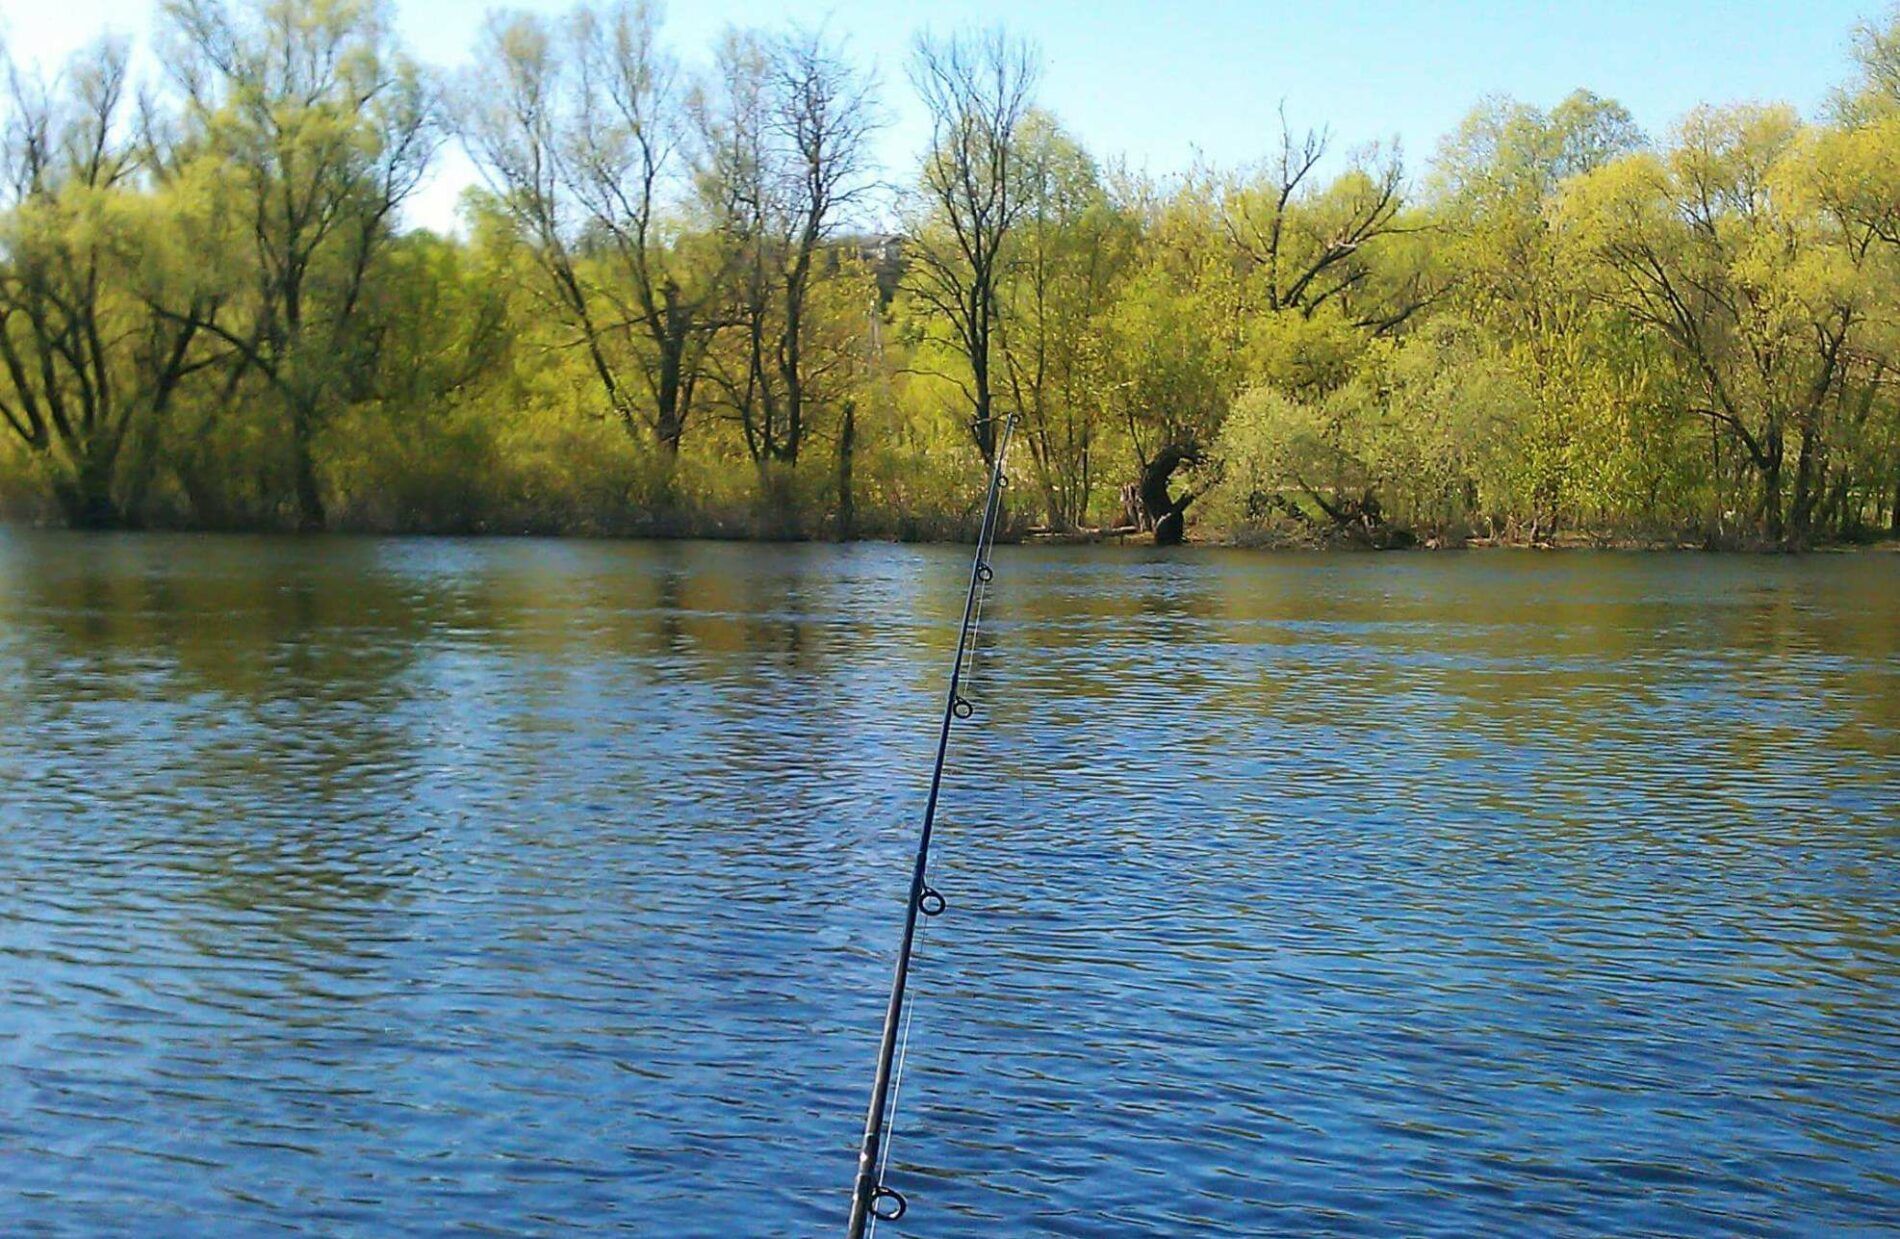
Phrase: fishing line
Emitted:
{"points": [[872, 1199], [934, 900], [897, 1084]]}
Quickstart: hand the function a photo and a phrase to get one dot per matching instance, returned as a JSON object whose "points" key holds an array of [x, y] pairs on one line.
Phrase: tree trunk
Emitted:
{"points": [[204, 490], [1807, 485], [792, 373], [1771, 490], [676, 385], [1168, 514], [981, 426], [668, 424], [1134, 512], [310, 514], [86, 499], [670, 433], [847, 447]]}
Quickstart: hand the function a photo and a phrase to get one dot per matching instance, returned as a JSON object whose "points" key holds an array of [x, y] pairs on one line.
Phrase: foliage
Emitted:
{"points": [[672, 310]]}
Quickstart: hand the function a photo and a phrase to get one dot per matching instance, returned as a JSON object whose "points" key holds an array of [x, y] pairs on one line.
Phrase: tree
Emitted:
{"points": [[786, 127], [1068, 255], [977, 90], [1700, 247], [1174, 346], [323, 129], [1305, 250], [1875, 94], [212, 313], [1846, 182], [1497, 181], [85, 366], [580, 133]]}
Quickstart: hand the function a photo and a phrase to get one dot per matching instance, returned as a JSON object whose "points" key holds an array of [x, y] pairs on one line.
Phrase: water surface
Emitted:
{"points": [[380, 887]]}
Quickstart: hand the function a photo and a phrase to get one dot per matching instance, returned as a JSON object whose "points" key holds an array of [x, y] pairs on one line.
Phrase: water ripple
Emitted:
{"points": [[389, 887]]}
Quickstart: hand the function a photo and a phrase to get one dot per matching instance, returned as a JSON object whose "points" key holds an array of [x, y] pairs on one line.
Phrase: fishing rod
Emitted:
{"points": [[872, 1198]]}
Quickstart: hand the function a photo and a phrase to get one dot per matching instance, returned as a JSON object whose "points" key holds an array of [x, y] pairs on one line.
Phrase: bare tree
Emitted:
{"points": [[730, 118], [824, 117], [582, 132], [1309, 246], [978, 89], [786, 123]]}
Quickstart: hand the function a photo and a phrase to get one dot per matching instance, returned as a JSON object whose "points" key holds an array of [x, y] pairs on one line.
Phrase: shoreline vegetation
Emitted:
{"points": [[1265, 540], [687, 301]]}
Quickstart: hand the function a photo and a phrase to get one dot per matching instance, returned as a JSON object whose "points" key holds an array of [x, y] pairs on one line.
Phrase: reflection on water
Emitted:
{"points": [[389, 886]]}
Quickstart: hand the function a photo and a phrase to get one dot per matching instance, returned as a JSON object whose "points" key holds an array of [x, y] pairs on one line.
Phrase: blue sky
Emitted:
{"points": [[1158, 82]]}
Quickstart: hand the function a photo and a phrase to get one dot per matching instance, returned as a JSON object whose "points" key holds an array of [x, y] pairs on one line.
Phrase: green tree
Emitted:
{"points": [[1699, 247], [322, 128], [86, 366], [1496, 181], [1065, 262], [1174, 349]]}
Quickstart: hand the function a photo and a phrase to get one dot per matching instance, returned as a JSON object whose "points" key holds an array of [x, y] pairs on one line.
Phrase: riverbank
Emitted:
{"points": [[941, 533], [1584, 540]]}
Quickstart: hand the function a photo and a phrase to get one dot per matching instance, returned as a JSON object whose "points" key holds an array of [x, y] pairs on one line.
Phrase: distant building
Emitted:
{"points": [[883, 253]]}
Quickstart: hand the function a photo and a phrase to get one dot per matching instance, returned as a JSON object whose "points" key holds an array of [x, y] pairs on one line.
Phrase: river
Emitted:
{"points": [[355, 886]]}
